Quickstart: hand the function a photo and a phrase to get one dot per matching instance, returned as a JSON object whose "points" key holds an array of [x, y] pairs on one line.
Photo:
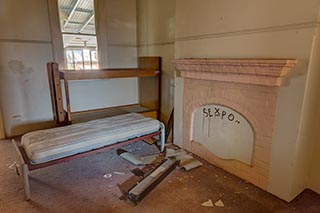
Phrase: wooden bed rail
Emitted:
{"points": [[148, 72]]}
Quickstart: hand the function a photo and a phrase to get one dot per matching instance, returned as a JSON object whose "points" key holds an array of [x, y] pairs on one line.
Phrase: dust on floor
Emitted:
{"points": [[90, 185]]}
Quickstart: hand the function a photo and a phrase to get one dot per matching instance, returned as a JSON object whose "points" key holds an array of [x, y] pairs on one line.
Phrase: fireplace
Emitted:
{"points": [[229, 108]]}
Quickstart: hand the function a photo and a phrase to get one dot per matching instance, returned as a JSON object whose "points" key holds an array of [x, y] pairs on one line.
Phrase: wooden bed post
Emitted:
{"points": [[56, 93]]}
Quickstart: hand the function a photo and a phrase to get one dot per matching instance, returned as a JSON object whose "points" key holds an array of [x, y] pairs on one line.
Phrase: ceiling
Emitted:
{"points": [[77, 16]]}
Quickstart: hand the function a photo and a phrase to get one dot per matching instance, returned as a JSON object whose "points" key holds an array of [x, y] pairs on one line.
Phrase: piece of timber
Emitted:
{"points": [[147, 184], [52, 92], [107, 73], [66, 89], [61, 114]]}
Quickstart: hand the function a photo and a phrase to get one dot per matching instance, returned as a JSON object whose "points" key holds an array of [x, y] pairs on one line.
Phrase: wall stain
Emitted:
{"points": [[18, 67]]}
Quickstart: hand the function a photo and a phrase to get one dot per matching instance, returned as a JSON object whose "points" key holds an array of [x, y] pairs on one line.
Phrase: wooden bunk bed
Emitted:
{"points": [[44, 148], [148, 73]]}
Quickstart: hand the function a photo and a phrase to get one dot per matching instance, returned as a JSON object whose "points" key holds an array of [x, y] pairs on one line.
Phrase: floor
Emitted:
{"points": [[80, 186]]}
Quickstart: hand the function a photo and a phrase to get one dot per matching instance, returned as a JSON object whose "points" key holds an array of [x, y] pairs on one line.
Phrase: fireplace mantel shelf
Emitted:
{"points": [[267, 72]]}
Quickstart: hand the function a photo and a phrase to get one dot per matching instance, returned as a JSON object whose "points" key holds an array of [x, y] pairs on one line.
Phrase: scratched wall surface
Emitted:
{"points": [[223, 131]]}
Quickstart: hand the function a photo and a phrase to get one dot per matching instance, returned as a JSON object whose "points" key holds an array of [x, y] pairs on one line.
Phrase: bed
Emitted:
{"points": [[43, 148]]}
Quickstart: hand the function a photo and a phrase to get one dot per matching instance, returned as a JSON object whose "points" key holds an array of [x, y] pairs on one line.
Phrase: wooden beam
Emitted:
{"points": [[60, 113], [106, 73]]}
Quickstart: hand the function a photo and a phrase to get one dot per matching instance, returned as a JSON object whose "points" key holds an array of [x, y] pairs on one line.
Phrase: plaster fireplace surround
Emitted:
{"points": [[229, 108]]}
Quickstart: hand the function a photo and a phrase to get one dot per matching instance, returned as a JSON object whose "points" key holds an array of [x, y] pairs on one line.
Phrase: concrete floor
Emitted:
{"points": [[79, 186]]}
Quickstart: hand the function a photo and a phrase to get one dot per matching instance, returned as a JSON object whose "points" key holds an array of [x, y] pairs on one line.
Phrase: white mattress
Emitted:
{"points": [[46, 145]]}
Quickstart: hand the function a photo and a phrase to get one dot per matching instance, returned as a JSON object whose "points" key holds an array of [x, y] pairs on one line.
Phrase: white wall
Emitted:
{"points": [[117, 48], [26, 47], [311, 125], [256, 29], [156, 31]]}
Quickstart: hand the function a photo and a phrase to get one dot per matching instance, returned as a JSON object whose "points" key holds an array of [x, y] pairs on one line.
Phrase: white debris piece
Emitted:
{"points": [[119, 173], [12, 165], [137, 159], [207, 203], [107, 176], [174, 153], [187, 162], [219, 203]]}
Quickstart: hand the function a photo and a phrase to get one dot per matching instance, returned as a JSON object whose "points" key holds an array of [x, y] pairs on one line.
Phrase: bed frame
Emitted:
{"points": [[148, 71], [26, 166]]}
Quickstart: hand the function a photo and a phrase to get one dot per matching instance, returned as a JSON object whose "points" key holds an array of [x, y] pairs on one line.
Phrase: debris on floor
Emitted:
{"points": [[157, 167], [148, 183], [207, 203], [174, 152], [219, 203], [107, 176], [12, 165], [187, 162], [135, 159], [119, 173]]}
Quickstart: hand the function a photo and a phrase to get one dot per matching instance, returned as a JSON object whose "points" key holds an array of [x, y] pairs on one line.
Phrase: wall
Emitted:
{"points": [[255, 29], [312, 117], [2, 135], [117, 47], [156, 31], [26, 47]]}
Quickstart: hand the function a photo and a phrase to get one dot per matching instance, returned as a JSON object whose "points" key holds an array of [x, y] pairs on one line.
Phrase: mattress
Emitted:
{"points": [[47, 145]]}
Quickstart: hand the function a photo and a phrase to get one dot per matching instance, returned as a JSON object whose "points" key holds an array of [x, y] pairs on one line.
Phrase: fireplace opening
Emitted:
{"points": [[224, 132]]}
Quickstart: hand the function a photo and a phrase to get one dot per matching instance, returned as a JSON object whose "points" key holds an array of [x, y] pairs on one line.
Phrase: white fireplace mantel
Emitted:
{"points": [[228, 112], [267, 72]]}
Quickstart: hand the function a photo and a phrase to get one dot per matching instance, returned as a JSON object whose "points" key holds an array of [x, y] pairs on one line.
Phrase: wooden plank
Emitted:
{"points": [[66, 89], [52, 92], [2, 134], [61, 115], [150, 87], [151, 114], [106, 73]]}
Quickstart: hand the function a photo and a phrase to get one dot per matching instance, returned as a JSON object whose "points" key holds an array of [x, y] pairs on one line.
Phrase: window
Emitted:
{"points": [[78, 33], [81, 58]]}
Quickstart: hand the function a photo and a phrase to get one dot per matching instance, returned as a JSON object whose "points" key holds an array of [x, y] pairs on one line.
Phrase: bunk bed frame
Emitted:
{"points": [[149, 74]]}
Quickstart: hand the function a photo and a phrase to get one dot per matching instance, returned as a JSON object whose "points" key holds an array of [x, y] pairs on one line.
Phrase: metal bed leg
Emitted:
{"points": [[24, 171], [162, 136], [25, 175]]}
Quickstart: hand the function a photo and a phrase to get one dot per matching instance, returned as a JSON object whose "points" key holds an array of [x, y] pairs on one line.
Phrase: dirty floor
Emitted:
{"points": [[85, 185]]}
